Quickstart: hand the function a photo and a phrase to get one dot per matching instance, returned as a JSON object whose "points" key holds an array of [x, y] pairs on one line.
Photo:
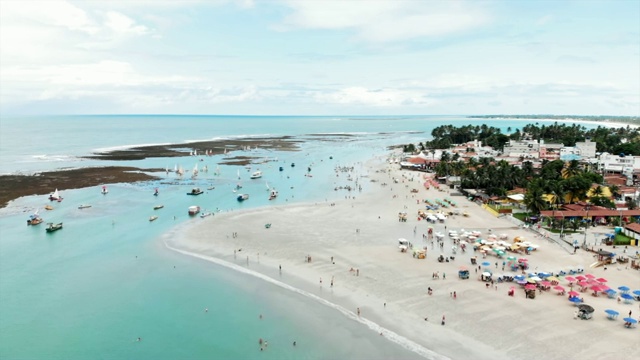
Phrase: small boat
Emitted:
{"points": [[273, 194], [55, 196], [211, 188], [54, 227], [156, 193], [34, 219], [195, 191], [293, 164], [104, 190], [281, 168], [83, 206], [205, 214], [194, 210], [158, 207], [242, 197], [153, 218], [48, 207], [256, 175]]}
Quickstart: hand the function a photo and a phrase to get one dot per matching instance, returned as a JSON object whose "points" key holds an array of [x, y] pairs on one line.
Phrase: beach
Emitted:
{"points": [[345, 253]]}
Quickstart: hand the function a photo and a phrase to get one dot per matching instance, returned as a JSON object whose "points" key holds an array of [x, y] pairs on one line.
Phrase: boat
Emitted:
{"points": [[242, 197], [54, 227], [48, 207], [84, 206], [104, 190], [238, 174], [281, 168], [156, 192], [158, 207], [153, 218], [211, 188], [293, 164], [194, 173], [256, 175], [273, 194], [195, 191], [55, 196], [34, 219], [194, 210], [205, 214]]}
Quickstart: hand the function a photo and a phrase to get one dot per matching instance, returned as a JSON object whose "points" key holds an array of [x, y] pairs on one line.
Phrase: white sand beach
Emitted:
{"points": [[356, 264]]}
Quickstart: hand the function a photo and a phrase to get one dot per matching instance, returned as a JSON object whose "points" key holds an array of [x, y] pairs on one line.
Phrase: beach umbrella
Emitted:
{"points": [[521, 282], [575, 299], [626, 296], [558, 287], [623, 288], [519, 277], [486, 263], [511, 258], [581, 278], [590, 276], [535, 278], [630, 320], [610, 291], [586, 308], [530, 287], [463, 268], [612, 312], [636, 292], [595, 288], [573, 293], [523, 260], [601, 280], [583, 283], [545, 283], [570, 278]]}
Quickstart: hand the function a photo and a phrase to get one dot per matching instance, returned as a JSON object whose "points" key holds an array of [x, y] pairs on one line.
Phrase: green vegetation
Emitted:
{"points": [[621, 239], [617, 119]]}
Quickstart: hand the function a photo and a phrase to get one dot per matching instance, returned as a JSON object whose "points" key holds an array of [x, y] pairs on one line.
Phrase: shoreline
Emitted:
{"points": [[386, 276]]}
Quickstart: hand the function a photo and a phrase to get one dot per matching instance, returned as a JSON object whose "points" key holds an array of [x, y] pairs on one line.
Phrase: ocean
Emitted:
{"points": [[106, 279]]}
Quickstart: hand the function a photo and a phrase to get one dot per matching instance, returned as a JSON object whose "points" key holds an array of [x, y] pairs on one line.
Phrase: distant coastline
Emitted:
{"points": [[608, 119]]}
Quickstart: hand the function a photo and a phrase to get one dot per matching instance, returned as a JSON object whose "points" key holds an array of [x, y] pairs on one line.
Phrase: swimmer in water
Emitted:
{"points": [[139, 339]]}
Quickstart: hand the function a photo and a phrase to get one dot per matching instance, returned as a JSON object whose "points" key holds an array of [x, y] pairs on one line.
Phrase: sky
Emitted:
{"points": [[320, 57]]}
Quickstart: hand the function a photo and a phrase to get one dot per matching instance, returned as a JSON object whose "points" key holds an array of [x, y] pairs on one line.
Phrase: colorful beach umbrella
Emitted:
{"points": [[545, 283], [623, 288], [519, 277], [530, 287], [636, 292], [486, 263], [626, 296], [558, 287], [590, 276], [612, 312], [601, 280], [581, 278], [630, 320], [575, 299], [573, 293], [570, 278]]}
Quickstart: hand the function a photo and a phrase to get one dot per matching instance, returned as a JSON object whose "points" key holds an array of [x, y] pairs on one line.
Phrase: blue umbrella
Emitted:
{"points": [[626, 296], [630, 320], [624, 288], [611, 312], [486, 263], [575, 300], [544, 275], [636, 292], [519, 277], [610, 291]]}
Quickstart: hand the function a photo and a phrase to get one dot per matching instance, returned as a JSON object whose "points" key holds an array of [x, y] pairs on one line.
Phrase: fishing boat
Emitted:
{"points": [[194, 210], [205, 214], [242, 197], [195, 191], [48, 207], [55, 196], [158, 207], [153, 218], [34, 219], [54, 227], [273, 194], [104, 191], [256, 175], [84, 206]]}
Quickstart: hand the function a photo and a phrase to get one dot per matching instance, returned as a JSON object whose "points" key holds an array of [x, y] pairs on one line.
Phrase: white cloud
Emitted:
{"points": [[385, 20], [369, 97], [122, 24]]}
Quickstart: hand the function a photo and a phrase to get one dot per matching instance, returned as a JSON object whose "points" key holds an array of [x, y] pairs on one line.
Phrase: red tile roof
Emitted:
{"points": [[635, 227], [590, 213]]}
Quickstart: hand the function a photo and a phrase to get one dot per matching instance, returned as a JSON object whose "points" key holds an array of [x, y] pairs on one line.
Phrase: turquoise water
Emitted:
{"points": [[91, 289]]}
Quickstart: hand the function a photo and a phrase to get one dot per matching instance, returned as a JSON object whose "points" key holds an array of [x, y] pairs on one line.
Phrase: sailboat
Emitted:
{"points": [[217, 170], [104, 190], [55, 196], [34, 219], [238, 175], [180, 171], [195, 171]]}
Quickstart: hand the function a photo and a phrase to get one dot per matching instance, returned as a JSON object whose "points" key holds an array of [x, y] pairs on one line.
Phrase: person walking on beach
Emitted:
{"points": [[442, 320], [358, 311]]}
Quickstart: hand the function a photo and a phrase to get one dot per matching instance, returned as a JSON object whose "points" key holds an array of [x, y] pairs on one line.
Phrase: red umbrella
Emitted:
{"points": [[570, 278], [559, 288], [595, 288], [590, 276], [573, 293], [601, 280], [530, 287], [604, 288], [583, 283], [545, 283], [581, 278]]}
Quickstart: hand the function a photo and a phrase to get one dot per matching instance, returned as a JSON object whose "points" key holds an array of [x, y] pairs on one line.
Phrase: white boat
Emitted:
{"points": [[34, 219], [273, 194], [238, 174], [152, 218], [194, 173], [242, 197], [194, 210], [84, 206], [104, 190], [55, 196], [256, 175], [205, 214], [158, 207]]}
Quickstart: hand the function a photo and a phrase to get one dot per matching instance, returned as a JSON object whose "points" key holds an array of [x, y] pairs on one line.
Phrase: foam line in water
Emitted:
{"points": [[389, 334]]}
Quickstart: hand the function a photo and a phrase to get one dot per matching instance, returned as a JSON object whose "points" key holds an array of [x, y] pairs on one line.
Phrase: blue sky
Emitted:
{"points": [[314, 57]]}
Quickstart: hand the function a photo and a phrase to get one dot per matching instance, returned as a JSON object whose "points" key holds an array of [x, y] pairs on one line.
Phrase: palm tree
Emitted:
{"points": [[615, 191], [572, 169], [631, 204], [534, 199]]}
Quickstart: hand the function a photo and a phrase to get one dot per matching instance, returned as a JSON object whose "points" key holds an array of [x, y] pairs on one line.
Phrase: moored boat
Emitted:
{"points": [[157, 207], [55, 196], [273, 194], [195, 191], [34, 219], [242, 197], [153, 218], [205, 214], [54, 227], [256, 175], [84, 206], [48, 207], [194, 210]]}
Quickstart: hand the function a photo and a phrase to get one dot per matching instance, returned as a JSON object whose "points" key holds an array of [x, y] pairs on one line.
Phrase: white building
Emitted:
{"points": [[618, 164], [528, 149], [587, 148]]}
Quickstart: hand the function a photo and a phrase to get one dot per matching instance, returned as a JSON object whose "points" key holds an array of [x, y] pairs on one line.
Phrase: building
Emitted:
{"points": [[582, 151], [620, 164]]}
